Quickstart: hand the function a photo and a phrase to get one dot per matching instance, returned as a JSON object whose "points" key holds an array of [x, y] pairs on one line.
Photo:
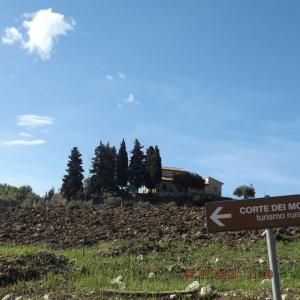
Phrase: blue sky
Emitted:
{"points": [[215, 84]]}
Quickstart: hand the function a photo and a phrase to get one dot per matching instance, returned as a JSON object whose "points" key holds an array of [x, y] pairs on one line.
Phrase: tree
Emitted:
{"points": [[153, 172], [24, 192], [49, 195], [109, 172], [72, 181], [13, 196], [187, 180], [245, 191], [136, 166], [157, 166], [196, 181], [122, 165], [150, 168], [103, 170], [95, 183]]}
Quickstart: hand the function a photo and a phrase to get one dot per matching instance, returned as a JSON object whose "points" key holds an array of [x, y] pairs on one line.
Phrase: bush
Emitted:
{"points": [[79, 204], [57, 201], [143, 204], [113, 201]]}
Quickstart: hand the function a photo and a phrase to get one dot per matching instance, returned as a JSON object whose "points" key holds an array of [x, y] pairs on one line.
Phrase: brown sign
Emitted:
{"points": [[253, 214]]}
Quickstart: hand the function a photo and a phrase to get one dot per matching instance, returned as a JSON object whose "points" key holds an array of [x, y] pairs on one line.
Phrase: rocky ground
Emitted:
{"points": [[63, 228]]}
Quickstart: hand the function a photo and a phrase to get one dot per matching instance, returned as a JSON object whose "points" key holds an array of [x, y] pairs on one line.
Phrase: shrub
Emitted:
{"points": [[79, 204], [113, 201], [57, 201], [143, 204]]}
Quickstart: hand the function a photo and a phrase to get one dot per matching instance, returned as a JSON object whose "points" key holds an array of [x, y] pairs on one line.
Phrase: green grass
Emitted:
{"points": [[201, 260]]}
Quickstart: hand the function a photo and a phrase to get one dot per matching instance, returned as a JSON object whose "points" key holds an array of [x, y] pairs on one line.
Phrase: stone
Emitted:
{"points": [[173, 296], [284, 297], [206, 291], [140, 257], [8, 297], [194, 286], [216, 260], [264, 281], [151, 275], [46, 297], [118, 282], [261, 261], [197, 234]]}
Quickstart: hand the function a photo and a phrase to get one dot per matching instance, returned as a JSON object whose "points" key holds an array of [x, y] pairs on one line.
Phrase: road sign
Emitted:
{"points": [[253, 214]]}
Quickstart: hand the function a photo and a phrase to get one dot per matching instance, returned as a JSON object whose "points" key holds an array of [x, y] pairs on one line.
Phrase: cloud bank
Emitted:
{"points": [[24, 142], [34, 120], [41, 29]]}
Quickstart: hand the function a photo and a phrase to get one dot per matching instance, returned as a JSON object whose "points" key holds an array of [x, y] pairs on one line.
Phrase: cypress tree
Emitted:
{"points": [[95, 184], [153, 171], [136, 166], [72, 181], [157, 167], [150, 168], [122, 165], [108, 172]]}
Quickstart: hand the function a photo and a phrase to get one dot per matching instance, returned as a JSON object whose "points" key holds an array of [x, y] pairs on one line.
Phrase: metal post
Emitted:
{"points": [[273, 264]]}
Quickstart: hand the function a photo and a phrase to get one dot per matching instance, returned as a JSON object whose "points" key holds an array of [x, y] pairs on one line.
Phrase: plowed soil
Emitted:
{"points": [[63, 228]]}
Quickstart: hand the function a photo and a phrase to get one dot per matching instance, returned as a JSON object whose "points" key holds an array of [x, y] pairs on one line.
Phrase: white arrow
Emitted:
{"points": [[215, 217]]}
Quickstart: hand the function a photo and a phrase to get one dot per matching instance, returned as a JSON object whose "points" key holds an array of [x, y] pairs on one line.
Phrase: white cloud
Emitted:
{"points": [[34, 120], [25, 134], [122, 76], [109, 77], [24, 142], [11, 36], [130, 100], [41, 28]]}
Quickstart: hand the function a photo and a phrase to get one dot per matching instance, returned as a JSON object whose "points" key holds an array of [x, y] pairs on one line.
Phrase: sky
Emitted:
{"points": [[215, 84]]}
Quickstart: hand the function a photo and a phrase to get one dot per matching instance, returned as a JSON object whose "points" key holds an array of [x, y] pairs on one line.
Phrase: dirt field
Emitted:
{"points": [[64, 228]]}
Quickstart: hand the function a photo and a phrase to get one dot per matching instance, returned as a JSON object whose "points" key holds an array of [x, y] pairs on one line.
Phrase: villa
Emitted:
{"points": [[212, 186]]}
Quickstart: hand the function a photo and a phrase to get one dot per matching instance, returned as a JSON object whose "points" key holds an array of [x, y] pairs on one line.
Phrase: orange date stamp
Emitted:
{"points": [[228, 274]]}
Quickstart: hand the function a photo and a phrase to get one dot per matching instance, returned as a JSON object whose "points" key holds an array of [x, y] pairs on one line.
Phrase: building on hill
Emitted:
{"points": [[212, 186]]}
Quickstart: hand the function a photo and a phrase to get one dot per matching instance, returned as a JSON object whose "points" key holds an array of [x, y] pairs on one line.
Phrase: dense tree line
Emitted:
{"points": [[14, 196], [111, 171]]}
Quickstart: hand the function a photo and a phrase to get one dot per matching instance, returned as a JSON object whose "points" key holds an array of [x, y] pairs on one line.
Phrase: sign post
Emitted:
{"points": [[256, 213], [273, 264]]}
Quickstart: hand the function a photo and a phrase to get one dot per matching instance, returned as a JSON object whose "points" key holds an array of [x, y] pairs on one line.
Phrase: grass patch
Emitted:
{"points": [[206, 263]]}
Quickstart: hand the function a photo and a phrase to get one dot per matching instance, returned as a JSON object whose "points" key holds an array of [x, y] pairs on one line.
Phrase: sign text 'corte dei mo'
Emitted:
{"points": [[253, 214]]}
